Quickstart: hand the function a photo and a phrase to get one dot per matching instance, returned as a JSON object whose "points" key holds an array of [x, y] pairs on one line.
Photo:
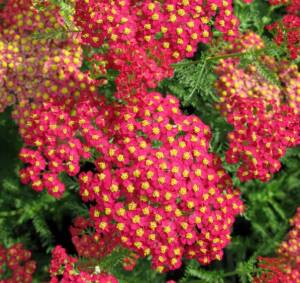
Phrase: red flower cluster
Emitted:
{"points": [[175, 26], [272, 271], [286, 267], [237, 82], [263, 125], [89, 244], [290, 250], [63, 269], [52, 129], [157, 186], [293, 6], [290, 77], [145, 37], [92, 245], [287, 29], [130, 261], [36, 69], [138, 72], [261, 135], [278, 2], [18, 261]]}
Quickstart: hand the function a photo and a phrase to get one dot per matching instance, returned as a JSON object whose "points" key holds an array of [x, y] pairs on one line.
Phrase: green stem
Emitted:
{"points": [[230, 55], [229, 274], [239, 3], [212, 58]]}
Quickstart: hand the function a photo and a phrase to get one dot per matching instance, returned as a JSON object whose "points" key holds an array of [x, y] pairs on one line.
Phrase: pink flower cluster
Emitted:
{"points": [[89, 244], [18, 261], [286, 266], [264, 126], [63, 269], [234, 81], [146, 37], [290, 250], [36, 68], [272, 271], [53, 145], [287, 30], [261, 135], [290, 77], [157, 186], [95, 246], [244, 42], [237, 82]]}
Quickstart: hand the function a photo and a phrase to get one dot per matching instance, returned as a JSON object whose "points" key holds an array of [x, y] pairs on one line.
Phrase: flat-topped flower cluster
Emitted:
{"points": [[36, 69], [16, 261], [264, 125], [144, 168], [145, 38], [64, 269]]}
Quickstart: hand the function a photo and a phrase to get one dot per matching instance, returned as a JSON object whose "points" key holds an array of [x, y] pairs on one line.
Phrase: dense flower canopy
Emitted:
{"points": [[89, 110], [158, 33], [19, 261]]}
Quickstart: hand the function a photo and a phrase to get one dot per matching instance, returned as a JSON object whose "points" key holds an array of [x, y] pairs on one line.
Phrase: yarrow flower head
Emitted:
{"points": [[286, 30], [290, 249], [153, 183], [18, 261], [51, 142], [264, 126], [246, 41], [157, 33], [261, 135], [31, 68], [87, 242], [290, 77], [64, 269], [234, 81], [156, 186]]}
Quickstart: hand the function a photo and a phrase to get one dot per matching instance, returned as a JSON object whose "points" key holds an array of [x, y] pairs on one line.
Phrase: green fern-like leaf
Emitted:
{"points": [[42, 229], [266, 73], [194, 271], [196, 78]]}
